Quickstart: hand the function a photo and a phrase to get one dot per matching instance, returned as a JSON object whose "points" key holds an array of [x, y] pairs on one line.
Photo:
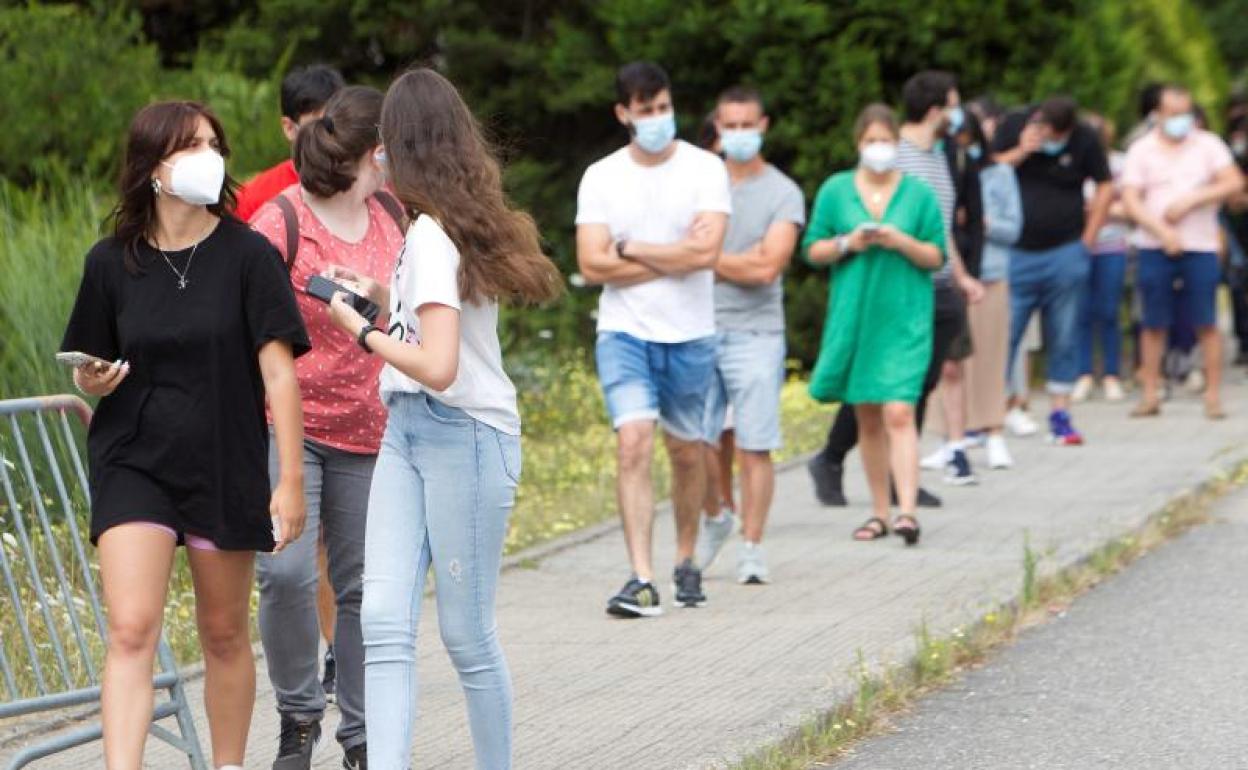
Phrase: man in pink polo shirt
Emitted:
{"points": [[1174, 179]]}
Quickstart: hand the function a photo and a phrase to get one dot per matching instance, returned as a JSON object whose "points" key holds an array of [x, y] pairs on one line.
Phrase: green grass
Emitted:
{"points": [[569, 469], [882, 694]]}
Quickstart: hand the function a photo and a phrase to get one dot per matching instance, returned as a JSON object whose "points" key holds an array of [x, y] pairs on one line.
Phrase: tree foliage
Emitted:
{"points": [[539, 73]]}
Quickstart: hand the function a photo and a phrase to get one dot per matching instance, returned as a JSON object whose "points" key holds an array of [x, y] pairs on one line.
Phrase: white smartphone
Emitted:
{"points": [[74, 359], [869, 227]]}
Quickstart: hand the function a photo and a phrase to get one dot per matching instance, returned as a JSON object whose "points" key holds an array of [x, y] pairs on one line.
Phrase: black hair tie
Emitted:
{"points": [[329, 123]]}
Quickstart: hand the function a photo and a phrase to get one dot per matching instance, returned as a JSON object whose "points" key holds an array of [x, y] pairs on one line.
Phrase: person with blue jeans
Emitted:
{"points": [[1176, 177], [1099, 318], [445, 480], [769, 212], [650, 221], [1053, 154]]}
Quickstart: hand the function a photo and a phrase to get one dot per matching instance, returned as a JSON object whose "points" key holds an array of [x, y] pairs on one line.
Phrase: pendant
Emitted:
{"points": [[182, 283]]}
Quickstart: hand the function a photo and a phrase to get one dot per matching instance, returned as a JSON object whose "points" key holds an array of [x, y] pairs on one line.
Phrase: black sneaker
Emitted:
{"points": [[827, 478], [637, 599], [687, 585], [331, 673], [298, 741], [924, 499], [356, 758]]}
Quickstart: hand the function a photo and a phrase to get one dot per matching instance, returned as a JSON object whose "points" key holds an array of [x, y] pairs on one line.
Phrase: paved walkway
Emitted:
{"points": [[697, 688], [1146, 672]]}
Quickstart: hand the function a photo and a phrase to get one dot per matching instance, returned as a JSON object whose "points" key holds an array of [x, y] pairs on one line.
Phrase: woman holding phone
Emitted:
{"points": [[197, 313], [446, 477], [335, 215], [881, 233]]}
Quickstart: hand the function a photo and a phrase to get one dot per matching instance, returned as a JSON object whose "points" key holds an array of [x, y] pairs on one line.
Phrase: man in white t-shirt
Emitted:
{"points": [[650, 223]]}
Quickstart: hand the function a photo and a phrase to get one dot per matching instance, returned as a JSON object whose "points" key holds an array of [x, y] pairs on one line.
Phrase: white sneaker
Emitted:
{"points": [[1113, 389], [1083, 389], [1020, 423], [1195, 382], [751, 564], [937, 460], [998, 454], [712, 535]]}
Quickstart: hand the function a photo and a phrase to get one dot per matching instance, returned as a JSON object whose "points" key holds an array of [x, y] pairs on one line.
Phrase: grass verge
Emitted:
{"points": [[881, 695]]}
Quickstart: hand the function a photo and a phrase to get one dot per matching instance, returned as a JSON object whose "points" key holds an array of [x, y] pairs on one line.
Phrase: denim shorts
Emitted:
{"points": [[749, 373], [667, 381], [1156, 277]]}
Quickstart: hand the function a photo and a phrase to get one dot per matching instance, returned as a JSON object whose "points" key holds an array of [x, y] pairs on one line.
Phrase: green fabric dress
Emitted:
{"points": [[877, 338]]}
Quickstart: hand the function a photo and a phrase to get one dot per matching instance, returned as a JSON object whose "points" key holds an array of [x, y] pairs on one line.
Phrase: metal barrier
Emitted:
{"points": [[52, 633]]}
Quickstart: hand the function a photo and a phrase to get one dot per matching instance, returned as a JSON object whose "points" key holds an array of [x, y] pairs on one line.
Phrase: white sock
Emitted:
{"points": [[230, 767]]}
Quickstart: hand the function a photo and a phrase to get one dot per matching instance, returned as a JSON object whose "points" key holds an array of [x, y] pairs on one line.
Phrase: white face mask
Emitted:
{"points": [[880, 157], [197, 178]]}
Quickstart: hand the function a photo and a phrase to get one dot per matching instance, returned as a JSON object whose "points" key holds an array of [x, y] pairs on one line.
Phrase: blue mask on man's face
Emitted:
{"points": [[1053, 146], [654, 134], [741, 145]]}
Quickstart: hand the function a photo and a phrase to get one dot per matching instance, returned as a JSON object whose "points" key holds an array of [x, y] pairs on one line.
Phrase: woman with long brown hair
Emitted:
{"points": [[197, 314], [446, 478]]}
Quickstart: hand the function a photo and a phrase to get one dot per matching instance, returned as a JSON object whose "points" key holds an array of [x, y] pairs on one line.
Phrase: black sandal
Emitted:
{"points": [[875, 527], [908, 528]]}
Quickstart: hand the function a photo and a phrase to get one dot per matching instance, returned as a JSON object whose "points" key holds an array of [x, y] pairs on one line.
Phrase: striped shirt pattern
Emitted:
{"points": [[931, 167]]}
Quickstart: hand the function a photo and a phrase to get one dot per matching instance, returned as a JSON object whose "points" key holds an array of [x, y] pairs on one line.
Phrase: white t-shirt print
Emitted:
{"points": [[428, 272], [656, 204]]}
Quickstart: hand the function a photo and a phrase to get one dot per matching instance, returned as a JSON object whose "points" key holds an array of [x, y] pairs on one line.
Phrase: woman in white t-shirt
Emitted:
{"points": [[446, 477]]}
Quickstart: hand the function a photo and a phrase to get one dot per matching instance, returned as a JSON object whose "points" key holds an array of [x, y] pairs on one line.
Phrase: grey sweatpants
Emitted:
{"points": [[336, 485]]}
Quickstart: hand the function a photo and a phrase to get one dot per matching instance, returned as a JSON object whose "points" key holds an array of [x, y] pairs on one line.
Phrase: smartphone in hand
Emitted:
{"points": [[324, 289], [74, 360]]}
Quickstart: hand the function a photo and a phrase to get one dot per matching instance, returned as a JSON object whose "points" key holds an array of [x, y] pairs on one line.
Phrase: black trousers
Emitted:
{"points": [[843, 436]]}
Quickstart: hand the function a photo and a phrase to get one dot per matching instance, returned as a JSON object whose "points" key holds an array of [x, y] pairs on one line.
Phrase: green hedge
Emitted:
{"points": [[540, 76]]}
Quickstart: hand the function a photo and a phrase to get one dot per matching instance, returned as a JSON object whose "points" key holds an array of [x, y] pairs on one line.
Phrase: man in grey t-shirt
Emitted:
{"points": [[768, 211]]}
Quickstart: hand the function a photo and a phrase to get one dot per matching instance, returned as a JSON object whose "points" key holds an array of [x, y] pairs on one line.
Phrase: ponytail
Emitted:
{"points": [[328, 150]]}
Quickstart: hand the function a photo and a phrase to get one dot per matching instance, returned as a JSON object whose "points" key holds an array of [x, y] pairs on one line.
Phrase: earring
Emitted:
{"points": [[156, 187]]}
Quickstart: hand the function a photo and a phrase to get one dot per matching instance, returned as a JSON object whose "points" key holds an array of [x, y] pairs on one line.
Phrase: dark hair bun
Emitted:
{"points": [[328, 151]]}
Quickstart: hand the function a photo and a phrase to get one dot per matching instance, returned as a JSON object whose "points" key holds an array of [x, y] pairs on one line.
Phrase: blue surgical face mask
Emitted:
{"points": [[741, 145], [975, 152], [379, 157], [1053, 146], [956, 118], [1179, 126], [654, 134]]}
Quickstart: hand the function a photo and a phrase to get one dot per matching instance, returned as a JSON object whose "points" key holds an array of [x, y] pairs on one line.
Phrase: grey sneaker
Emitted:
{"points": [[711, 537], [751, 564]]}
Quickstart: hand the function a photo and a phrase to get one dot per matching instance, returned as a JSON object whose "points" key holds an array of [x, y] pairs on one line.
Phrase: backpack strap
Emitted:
{"points": [[292, 229], [393, 208]]}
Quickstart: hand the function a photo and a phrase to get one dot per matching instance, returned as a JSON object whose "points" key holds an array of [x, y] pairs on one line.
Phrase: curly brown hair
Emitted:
{"points": [[441, 165]]}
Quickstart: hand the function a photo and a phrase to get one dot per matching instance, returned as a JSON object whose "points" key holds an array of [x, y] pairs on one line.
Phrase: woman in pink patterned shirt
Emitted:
{"points": [[337, 215]]}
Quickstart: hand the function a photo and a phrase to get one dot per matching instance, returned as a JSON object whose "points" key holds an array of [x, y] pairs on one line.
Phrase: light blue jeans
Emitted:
{"points": [[442, 492]]}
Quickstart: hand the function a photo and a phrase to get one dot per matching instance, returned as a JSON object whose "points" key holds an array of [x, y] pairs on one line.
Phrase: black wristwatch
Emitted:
{"points": [[619, 247], [362, 337]]}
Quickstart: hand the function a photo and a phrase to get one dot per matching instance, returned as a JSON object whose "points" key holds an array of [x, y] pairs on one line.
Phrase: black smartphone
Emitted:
{"points": [[324, 289]]}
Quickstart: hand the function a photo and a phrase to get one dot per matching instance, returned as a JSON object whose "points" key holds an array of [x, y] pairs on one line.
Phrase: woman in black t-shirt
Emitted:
{"points": [[196, 312]]}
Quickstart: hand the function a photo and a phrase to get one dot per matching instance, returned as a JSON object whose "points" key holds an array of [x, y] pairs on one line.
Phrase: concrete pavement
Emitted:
{"points": [[1146, 672], [699, 688]]}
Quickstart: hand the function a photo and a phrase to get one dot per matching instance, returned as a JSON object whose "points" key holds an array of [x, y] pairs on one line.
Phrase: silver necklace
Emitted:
{"points": [[183, 281]]}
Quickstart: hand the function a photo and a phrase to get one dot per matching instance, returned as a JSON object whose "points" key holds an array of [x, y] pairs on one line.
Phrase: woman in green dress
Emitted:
{"points": [[881, 233]]}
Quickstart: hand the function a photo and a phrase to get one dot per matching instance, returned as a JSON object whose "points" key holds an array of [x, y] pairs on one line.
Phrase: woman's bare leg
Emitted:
{"points": [[873, 444]]}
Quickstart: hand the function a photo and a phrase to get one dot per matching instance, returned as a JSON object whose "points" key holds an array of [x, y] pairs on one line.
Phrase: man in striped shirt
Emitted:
{"points": [[928, 99]]}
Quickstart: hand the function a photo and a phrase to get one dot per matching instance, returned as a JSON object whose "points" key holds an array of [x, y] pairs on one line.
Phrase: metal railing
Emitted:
{"points": [[52, 633]]}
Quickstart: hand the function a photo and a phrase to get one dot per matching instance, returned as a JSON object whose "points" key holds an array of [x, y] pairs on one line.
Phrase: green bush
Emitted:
{"points": [[69, 83]]}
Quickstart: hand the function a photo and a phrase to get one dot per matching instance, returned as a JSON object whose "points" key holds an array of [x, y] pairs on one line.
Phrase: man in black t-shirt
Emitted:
{"points": [[1053, 155]]}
